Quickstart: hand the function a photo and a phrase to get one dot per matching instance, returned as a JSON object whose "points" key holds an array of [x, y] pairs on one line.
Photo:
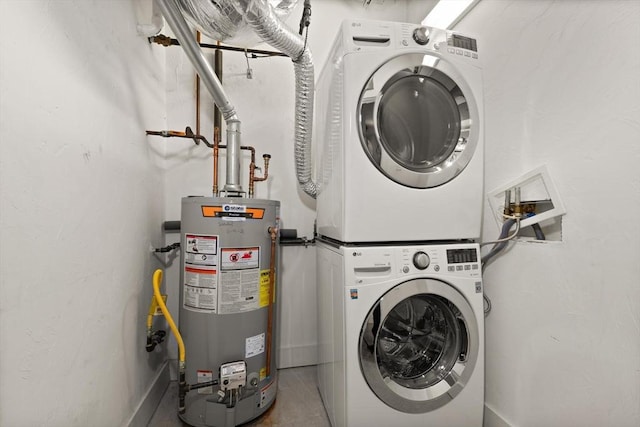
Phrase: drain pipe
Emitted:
{"points": [[176, 21]]}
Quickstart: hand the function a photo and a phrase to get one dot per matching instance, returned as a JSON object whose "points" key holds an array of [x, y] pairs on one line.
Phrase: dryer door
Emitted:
{"points": [[419, 345], [418, 122]]}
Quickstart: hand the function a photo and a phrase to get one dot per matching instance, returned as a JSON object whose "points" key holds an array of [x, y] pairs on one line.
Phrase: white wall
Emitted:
{"points": [[562, 88], [81, 203], [265, 105]]}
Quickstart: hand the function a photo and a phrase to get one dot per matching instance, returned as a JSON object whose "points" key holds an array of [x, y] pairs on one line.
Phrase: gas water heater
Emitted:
{"points": [[229, 242], [229, 261]]}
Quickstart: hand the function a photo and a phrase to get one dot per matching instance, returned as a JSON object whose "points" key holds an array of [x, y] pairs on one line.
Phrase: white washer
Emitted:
{"points": [[399, 126], [401, 335]]}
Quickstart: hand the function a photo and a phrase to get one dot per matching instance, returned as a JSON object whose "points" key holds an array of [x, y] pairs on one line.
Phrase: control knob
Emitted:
{"points": [[421, 260], [421, 35]]}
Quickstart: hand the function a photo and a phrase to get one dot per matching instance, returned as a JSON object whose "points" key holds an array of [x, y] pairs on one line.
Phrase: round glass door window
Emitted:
{"points": [[416, 123], [418, 345]]}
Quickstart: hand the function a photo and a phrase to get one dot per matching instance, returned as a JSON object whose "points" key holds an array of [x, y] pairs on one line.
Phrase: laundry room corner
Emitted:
{"points": [[561, 91], [223, 213]]}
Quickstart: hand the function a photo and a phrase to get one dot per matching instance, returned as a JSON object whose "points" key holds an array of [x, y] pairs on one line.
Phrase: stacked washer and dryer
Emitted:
{"points": [[401, 320]]}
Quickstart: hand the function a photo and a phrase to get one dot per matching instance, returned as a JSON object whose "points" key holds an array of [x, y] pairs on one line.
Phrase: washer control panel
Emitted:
{"points": [[461, 258], [371, 264]]}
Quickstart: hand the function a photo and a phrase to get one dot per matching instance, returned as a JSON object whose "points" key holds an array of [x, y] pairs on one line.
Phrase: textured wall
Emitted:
{"points": [[81, 203], [562, 88]]}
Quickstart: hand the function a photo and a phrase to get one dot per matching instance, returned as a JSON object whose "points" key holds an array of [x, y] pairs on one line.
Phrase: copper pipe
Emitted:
{"points": [[273, 231], [252, 174], [266, 158], [253, 178], [167, 133], [198, 92], [166, 41], [216, 151], [252, 167], [188, 133], [216, 146]]}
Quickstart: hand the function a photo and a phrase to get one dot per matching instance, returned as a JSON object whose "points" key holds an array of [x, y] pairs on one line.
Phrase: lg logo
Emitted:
{"points": [[357, 254]]}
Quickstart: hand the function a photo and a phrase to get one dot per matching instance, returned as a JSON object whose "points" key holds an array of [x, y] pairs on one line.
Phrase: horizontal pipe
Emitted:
{"points": [[168, 41]]}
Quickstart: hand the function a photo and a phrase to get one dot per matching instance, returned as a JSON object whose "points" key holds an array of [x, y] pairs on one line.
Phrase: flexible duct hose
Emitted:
{"points": [[262, 19]]}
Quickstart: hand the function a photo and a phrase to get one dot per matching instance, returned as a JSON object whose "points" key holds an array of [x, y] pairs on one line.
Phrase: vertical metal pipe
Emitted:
{"points": [[198, 93], [217, 67], [217, 122], [273, 232], [183, 33], [233, 157], [507, 203], [517, 210], [216, 150]]}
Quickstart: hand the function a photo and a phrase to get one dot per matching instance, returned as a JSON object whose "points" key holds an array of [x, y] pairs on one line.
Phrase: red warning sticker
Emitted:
{"points": [[240, 258]]}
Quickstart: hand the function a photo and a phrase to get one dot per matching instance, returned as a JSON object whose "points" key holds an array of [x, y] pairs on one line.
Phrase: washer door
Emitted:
{"points": [[416, 121], [419, 345]]}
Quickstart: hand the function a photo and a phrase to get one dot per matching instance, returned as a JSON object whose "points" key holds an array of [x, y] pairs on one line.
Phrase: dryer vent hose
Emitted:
{"points": [[261, 17]]}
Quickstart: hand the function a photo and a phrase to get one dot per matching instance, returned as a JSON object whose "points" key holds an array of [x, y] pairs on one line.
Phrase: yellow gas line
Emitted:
{"points": [[157, 280]]}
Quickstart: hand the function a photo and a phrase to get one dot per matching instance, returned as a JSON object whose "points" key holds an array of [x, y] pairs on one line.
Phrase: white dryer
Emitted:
{"points": [[401, 335], [399, 126]]}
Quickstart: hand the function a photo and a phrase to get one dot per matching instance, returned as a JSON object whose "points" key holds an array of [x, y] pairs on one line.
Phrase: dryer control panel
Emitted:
{"points": [[365, 35]]}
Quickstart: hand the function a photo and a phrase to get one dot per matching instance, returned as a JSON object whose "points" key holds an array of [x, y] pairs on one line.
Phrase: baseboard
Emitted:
{"points": [[300, 355], [492, 419], [150, 401]]}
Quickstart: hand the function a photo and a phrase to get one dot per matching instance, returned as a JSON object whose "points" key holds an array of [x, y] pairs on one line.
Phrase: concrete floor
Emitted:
{"points": [[298, 403]]}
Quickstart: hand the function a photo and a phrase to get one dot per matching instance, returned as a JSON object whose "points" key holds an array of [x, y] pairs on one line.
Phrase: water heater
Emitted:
{"points": [[230, 251]]}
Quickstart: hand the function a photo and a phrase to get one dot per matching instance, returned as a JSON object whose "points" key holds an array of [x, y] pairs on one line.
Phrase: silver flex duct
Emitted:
{"points": [[184, 35], [263, 20]]}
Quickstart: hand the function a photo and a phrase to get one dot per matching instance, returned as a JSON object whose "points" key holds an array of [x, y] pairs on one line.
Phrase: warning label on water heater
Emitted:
{"points": [[239, 289], [201, 271]]}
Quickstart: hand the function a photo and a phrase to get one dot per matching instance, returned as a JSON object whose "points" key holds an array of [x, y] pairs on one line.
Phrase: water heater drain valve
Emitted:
{"points": [[233, 375]]}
